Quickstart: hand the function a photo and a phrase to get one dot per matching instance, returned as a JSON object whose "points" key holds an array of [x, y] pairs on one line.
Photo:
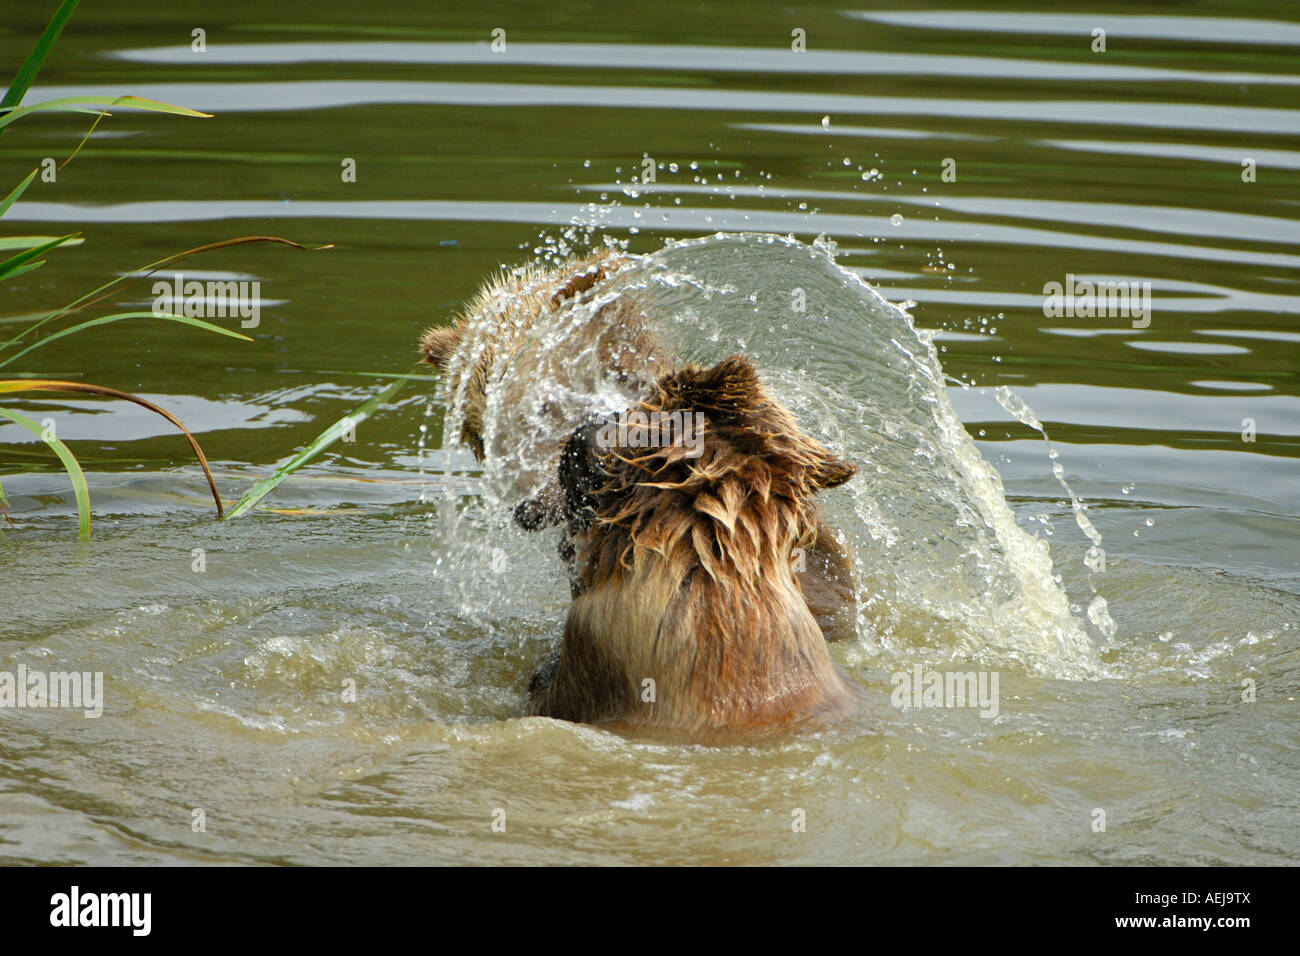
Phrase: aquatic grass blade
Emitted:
{"points": [[15, 273], [105, 290], [14, 262], [16, 192], [29, 242], [69, 104], [58, 385], [326, 438], [70, 465], [118, 317], [22, 81]]}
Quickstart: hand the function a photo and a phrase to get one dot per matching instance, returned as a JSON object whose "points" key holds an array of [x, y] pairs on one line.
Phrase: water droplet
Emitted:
{"points": [[826, 122], [896, 219], [1099, 615]]}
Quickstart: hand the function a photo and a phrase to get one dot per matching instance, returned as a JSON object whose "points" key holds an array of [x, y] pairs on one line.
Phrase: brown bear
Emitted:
{"points": [[685, 515]]}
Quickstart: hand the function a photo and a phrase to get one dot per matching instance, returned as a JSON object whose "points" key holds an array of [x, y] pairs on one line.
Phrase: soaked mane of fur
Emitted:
{"points": [[685, 569], [746, 502]]}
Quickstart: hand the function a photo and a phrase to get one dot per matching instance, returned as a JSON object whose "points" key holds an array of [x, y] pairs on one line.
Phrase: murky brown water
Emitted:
{"points": [[224, 690]]}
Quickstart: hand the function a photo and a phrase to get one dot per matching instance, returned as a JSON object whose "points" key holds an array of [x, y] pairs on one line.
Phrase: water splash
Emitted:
{"points": [[943, 565], [1098, 612], [1018, 409]]}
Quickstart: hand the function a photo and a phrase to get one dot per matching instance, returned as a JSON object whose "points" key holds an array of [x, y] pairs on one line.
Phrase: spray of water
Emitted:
{"points": [[1095, 559], [944, 568]]}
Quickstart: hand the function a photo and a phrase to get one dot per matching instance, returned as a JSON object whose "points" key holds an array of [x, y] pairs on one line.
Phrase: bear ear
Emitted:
{"points": [[437, 344], [728, 388], [828, 471]]}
